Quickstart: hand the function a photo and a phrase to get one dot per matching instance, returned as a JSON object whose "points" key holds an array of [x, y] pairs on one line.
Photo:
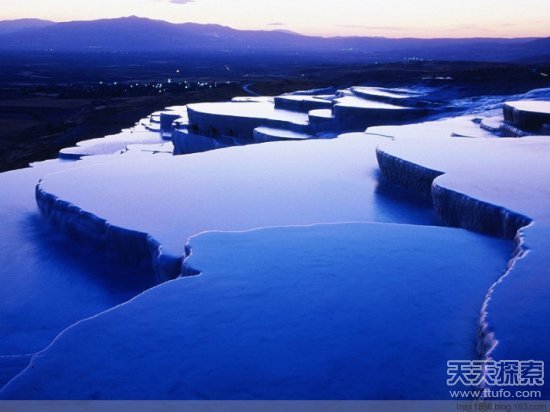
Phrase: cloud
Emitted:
{"points": [[276, 23], [181, 1]]}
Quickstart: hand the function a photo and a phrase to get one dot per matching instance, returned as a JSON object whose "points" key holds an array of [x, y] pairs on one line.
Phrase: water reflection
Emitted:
{"points": [[400, 205]]}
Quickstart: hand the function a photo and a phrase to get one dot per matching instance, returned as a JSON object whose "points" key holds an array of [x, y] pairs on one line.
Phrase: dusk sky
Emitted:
{"points": [[390, 18]]}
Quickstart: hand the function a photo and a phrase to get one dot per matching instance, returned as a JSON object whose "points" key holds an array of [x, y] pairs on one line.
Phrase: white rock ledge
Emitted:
{"points": [[454, 209], [459, 210], [131, 246], [164, 201], [529, 115]]}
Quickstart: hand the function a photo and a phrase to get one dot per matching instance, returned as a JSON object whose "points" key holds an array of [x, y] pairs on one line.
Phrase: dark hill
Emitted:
{"points": [[131, 34]]}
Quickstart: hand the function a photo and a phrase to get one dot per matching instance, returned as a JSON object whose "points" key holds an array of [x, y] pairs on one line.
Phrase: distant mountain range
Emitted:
{"points": [[135, 34], [12, 26]]}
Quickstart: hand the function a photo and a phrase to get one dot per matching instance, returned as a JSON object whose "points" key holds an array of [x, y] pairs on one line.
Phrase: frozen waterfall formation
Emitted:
{"points": [[293, 274]]}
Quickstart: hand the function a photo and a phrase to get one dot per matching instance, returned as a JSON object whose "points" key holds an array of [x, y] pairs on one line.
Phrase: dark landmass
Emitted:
{"points": [[52, 100], [36, 126], [131, 34], [12, 26]]}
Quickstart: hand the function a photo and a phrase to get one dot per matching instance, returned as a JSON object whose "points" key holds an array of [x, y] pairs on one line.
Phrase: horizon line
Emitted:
{"points": [[327, 36]]}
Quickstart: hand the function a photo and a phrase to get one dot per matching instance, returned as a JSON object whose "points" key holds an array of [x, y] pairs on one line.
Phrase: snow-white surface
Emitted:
{"points": [[167, 147], [249, 110], [382, 92], [352, 311], [451, 127], [252, 99], [533, 106], [505, 172], [179, 110], [139, 134], [270, 133], [305, 98], [357, 102], [492, 124], [321, 113], [236, 188], [303, 103]]}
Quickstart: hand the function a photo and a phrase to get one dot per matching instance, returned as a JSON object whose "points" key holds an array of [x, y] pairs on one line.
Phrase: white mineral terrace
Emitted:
{"points": [[305, 266], [381, 92], [532, 106], [506, 172], [301, 97], [231, 189], [321, 113], [282, 134], [357, 102], [139, 134], [257, 110], [252, 99]]}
